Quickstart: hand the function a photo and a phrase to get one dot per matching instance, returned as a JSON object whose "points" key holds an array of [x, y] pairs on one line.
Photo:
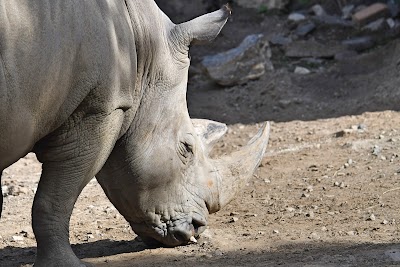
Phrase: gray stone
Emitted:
{"points": [[249, 61], [376, 25], [279, 39], [296, 17], [304, 29], [318, 10], [391, 23], [313, 49], [347, 11], [302, 70], [270, 4], [333, 21], [359, 44]]}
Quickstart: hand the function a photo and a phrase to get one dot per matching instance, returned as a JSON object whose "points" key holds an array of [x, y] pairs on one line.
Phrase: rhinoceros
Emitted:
{"points": [[97, 88]]}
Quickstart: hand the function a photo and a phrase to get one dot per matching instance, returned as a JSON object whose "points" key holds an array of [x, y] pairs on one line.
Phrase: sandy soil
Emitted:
{"points": [[326, 193]]}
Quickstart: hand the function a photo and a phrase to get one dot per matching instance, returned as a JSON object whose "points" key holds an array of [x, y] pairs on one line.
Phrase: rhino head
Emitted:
{"points": [[160, 175]]}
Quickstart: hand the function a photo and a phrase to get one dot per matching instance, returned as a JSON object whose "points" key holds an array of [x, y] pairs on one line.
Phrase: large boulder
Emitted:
{"points": [[249, 61]]}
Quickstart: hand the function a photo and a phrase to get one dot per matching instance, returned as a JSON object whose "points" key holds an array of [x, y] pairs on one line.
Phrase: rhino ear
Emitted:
{"points": [[209, 132], [204, 28]]}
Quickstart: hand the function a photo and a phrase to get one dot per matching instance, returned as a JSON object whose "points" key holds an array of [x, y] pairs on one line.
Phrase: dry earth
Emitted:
{"points": [[326, 194]]}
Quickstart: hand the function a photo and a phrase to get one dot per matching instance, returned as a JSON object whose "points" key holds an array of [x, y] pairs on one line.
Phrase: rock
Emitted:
{"points": [[314, 236], [249, 61], [302, 71], [333, 21], [391, 23], [347, 11], [376, 150], [351, 233], [5, 190], [17, 238], [359, 44], [310, 215], [304, 195], [290, 209], [376, 25], [275, 231], [318, 10], [233, 219], [311, 48], [370, 13], [305, 28], [269, 4], [279, 39], [296, 17], [371, 218]]}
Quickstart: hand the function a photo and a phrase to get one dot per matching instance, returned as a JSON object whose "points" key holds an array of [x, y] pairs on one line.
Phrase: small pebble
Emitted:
{"points": [[17, 238], [275, 232], [233, 219], [314, 236], [310, 215], [371, 218], [385, 222], [351, 233]]}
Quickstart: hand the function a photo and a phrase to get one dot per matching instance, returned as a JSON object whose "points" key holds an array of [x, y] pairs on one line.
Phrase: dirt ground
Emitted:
{"points": [[326, 193]]}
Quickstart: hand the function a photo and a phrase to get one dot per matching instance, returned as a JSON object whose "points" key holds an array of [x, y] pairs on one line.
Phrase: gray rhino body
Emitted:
{"points": [[98, 88]]}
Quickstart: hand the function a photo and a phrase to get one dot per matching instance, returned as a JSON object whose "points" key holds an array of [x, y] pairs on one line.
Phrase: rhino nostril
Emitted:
{"points": [[183, 236], [199, 226]]}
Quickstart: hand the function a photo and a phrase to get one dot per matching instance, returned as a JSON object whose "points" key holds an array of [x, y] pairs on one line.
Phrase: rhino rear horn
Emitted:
{"points": [[204, 28], [209, 132]]}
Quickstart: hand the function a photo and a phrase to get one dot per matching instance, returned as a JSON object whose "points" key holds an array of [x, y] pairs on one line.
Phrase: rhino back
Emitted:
{"points": [[55, 56]]}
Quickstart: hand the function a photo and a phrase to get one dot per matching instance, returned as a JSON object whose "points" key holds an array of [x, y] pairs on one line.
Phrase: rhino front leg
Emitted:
{"points": [[71, 157]]}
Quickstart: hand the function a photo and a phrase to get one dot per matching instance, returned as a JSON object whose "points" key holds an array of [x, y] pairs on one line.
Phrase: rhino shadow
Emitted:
{"points": [[16, 256]]}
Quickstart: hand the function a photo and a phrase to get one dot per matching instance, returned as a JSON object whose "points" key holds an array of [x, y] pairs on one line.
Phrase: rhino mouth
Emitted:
{"points": [[170, 233]]}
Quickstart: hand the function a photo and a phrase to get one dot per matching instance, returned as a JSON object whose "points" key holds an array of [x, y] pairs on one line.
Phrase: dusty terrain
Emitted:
{"points": [[326, 193]]}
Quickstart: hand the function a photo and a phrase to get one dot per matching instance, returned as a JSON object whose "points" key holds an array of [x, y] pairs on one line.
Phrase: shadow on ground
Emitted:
{"points": [[16, 256], [127, 253]]}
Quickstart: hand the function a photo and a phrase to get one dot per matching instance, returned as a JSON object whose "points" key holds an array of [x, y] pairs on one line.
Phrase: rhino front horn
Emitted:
{"points": [[234, 171]]}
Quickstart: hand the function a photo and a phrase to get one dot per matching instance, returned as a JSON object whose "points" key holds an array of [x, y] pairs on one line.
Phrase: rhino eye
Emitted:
{"points": [[185, 151], [185, 148]]}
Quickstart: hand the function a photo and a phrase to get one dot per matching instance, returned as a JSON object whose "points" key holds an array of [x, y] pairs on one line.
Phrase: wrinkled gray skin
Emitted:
{"points": [[98, 88]]}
